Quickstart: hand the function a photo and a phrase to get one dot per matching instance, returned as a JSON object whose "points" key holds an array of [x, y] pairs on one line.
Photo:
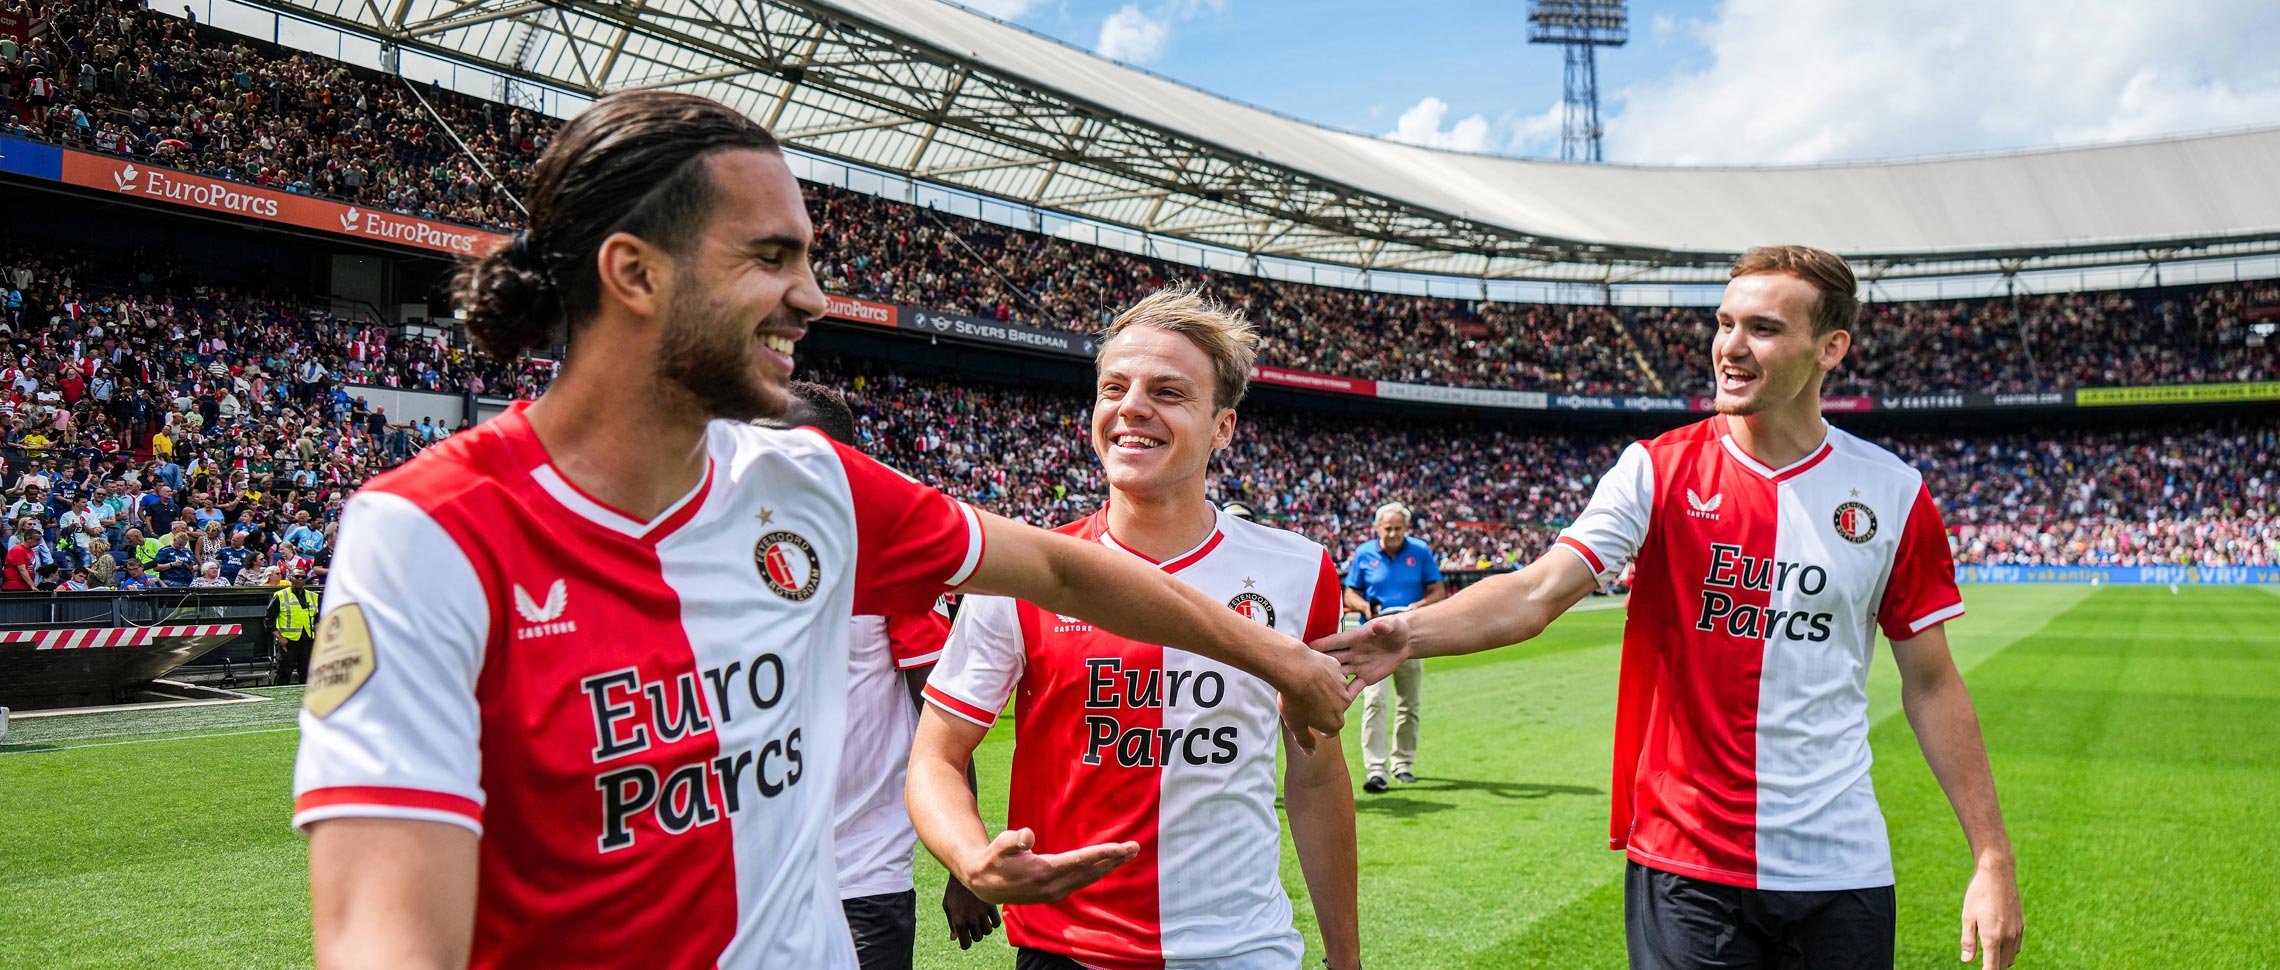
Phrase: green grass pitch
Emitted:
{"points": [[2135, 735]]}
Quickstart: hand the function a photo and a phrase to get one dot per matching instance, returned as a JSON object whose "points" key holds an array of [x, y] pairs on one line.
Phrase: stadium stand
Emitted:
{"points": [[2188, 493], [110, 350], [130, 371], [116, 77]]}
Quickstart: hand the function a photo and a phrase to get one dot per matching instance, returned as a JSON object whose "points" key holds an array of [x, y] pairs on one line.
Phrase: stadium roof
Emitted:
{"points": [[940, 94]]}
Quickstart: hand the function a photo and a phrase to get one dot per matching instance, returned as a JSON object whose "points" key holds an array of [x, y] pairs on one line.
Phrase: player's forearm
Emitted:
{"points": [[1122, 595], [1501, 610], [1495, 612], [942, 807], [1946, 722], [1320, 796]]}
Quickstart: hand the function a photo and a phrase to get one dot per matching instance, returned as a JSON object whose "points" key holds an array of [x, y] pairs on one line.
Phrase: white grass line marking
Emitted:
{"points": [[183, 737]]}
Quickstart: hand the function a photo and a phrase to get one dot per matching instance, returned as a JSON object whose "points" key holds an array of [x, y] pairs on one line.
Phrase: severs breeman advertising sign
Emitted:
{"points": [[959, 326], [203, 193]]}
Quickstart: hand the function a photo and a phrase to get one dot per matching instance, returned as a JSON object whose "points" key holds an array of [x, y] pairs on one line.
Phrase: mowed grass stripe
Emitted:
{"points": [[2135, 743]]}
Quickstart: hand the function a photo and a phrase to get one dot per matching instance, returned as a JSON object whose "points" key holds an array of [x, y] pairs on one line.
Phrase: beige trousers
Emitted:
{"points": [[1393, 699]]}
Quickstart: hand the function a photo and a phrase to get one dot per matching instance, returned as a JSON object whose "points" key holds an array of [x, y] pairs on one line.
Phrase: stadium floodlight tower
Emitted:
{"points": [[1582, 27]]}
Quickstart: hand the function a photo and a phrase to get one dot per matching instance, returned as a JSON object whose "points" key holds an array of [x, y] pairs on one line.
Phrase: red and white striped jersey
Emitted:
{"points": [[1117, 740], [1741, 731], [871, 828], [642, 720]]}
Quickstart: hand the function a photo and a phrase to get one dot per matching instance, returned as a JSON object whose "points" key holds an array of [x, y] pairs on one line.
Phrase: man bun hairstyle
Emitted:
{"points": [[1839, 306], [633, 163], [1219, 330]]}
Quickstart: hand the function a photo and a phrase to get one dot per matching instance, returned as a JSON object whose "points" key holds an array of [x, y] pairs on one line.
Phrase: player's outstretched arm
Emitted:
{"points": [[1131, 599], [1320, 796], [1947, 728], [1495, 612], [392, 893], [970, 918], [1001, 870]]}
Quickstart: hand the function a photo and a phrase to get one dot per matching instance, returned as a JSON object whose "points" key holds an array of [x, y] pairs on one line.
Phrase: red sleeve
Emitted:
{"points": [[1921, 593], [915, 639], [912, 543], [1329, 603]]}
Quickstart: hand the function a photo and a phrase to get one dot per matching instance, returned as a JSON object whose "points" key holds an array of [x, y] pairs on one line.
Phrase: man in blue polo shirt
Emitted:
{"points": [[1389, 574]]}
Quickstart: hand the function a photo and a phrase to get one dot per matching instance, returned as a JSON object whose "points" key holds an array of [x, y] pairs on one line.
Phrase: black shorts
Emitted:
{"points": [[1028, 959], [885, 929], [1673, 922]]}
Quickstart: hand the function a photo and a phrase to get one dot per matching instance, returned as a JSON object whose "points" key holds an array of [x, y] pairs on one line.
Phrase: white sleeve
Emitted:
{"points": [[1610, 529], [389, 722], [982, 663]]}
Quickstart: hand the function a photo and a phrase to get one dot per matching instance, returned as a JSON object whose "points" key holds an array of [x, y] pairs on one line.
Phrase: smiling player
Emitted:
{"points": [[1123, 741], [1769, 549], [579, 689]]}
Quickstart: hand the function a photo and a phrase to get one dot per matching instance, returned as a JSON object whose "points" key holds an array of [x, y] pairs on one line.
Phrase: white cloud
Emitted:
{"points": [[1663, 25], [1133, 37], [1795, 81], [1421, 125], [1007, 10], [1534, 136], [1137, 36]]}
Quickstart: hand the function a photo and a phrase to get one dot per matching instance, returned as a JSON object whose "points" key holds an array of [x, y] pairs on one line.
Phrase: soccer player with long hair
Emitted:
{"points": [[578, 693]]}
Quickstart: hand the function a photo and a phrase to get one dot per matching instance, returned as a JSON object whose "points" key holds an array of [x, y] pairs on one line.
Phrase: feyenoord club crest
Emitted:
{"points": [[1855, 522], [788, 565], [1255, 608]]}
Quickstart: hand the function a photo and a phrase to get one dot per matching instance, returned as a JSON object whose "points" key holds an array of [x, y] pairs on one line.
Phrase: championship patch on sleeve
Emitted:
{"points": [[341, 662]]}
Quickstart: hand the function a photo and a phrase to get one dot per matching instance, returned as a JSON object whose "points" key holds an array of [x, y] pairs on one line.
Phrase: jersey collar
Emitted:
{"points": [[1098, 527], [514, 429], [1786, 472]]}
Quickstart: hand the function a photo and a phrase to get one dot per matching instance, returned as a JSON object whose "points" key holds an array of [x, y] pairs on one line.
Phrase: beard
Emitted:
{"points": [[706, 356]]}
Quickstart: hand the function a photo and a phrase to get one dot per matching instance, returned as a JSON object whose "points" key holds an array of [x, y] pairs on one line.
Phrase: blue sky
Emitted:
{"points": [[1717, 81]]}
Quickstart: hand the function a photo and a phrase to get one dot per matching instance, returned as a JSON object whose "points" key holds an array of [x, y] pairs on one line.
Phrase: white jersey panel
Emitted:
{"points": [[870, 823], [413, 725]]}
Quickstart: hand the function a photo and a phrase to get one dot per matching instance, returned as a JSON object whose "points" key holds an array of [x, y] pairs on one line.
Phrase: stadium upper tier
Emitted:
{"points": [[126, 79], [937, 92]]}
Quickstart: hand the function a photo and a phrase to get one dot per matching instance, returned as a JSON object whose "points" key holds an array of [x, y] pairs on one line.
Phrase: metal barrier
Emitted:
{"points": [[247, 658]]}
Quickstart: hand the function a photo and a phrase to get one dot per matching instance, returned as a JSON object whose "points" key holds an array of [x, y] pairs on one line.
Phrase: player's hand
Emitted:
{"points": [[1369, 652], [1316, 704], [971, 919], [1009, 873], [1993, 923]]}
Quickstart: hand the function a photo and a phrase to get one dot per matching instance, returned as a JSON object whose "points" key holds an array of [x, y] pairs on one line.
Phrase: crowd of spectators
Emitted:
{"points": [[114, 76], [117, 77], [147, 410], [163, 429], [2205, 494], [875, 249], [1491, 495]]}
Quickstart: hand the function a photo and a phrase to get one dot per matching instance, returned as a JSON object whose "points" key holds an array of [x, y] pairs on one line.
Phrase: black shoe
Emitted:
{"points": [[1374, 784], [1405, 777]]}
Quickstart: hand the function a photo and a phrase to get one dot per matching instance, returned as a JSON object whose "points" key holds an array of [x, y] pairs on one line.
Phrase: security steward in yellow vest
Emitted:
{"points": [[293, 614]]}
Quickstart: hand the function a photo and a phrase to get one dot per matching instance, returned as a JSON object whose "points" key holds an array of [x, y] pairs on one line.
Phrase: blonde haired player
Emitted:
{"points": [[1126, 742]]}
